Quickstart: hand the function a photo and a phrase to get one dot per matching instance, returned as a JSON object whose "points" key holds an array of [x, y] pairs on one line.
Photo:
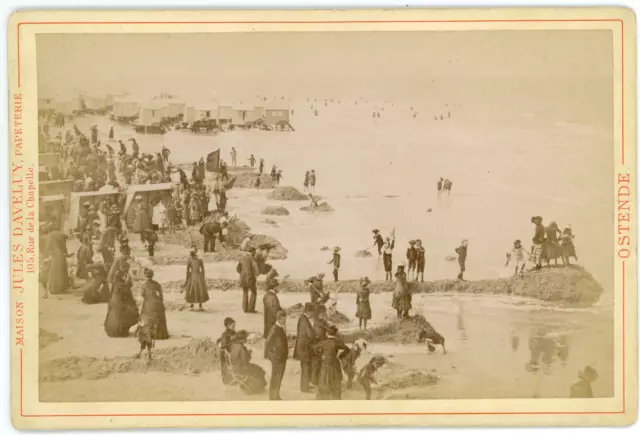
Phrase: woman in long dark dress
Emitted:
{"points": [[84, 256], [363, 306], [58, 279], [195, 285], [122, 313], [96, 289], [153, 307], [240, 358], [330, 381]]}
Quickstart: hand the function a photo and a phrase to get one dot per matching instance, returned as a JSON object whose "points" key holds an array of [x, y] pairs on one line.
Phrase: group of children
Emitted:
{"points": [[310, 181], [547, 246]]}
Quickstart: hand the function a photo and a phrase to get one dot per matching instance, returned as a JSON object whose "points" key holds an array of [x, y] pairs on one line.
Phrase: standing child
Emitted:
{"points": [[224, 345], [517, 254], [336, 262], [306, 182], [365, 377], [146, 336], [567, 247], [312, 181], [363, 306], [462, 258], [420, 261], [412, 257]]}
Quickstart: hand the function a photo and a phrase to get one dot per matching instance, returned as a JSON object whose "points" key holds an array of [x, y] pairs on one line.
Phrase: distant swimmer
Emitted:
{"points": [[440, 182], [435, 118], [448, 114], [441, 118]]}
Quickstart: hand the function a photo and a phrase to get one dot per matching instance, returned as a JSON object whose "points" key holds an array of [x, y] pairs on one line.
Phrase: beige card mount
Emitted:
{"points": [[323, 218]]}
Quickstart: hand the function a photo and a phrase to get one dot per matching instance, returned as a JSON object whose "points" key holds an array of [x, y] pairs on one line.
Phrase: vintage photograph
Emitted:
{"points": [[325, 216], [317, 215]]}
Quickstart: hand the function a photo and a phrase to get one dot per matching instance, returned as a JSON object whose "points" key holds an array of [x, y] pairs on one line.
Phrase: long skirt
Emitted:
{"points": [[401, 302], [196, 290], [122, 314], [58, 280], [551, 251], [153, 310], [330, 382], [256, 379]]}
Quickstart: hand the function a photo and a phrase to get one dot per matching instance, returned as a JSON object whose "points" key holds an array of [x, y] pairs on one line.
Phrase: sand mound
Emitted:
{"points": [[450, 258], [322, 207], [363, 253], [325, 248], [287, 193], [199, 355], [237, 231], [402, 331], [47, 338], [570, 287], [270, 222], [248, 180], [334, 317], [275, 210]]}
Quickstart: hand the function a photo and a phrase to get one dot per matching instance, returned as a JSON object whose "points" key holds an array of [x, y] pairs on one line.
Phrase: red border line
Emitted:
{"points": [[22, 414]]}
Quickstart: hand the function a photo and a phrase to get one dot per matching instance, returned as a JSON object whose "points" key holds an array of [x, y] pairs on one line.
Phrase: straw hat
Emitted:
{"points": [[321, 275]]}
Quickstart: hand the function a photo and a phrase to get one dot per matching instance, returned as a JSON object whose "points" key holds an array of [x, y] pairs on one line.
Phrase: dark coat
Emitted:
{"points": [[276, 347], [305, 340], [248, 270], [271, 308], [211, 229]]}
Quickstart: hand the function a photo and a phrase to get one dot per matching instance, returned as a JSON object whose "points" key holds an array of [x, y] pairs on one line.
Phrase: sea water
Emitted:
{"points": [[382, 174]]}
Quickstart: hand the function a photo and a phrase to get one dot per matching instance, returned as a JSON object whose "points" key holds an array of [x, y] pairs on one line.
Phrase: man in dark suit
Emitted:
{"points": [[303, 350], [271, 304], [248, 270], [276, 350]]}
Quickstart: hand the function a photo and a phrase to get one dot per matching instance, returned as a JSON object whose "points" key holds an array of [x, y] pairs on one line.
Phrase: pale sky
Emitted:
{"points": [[316, 63]]}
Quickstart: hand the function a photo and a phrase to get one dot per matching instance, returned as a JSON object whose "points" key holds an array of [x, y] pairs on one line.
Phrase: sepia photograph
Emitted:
{"points": [[326, 215]]}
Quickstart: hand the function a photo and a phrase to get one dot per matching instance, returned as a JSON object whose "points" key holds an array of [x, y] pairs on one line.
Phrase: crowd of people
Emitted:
{"points": [[325, 359]]}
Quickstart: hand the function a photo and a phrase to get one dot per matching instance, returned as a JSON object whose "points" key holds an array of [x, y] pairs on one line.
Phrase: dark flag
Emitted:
{"points": [[213, 161]]}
